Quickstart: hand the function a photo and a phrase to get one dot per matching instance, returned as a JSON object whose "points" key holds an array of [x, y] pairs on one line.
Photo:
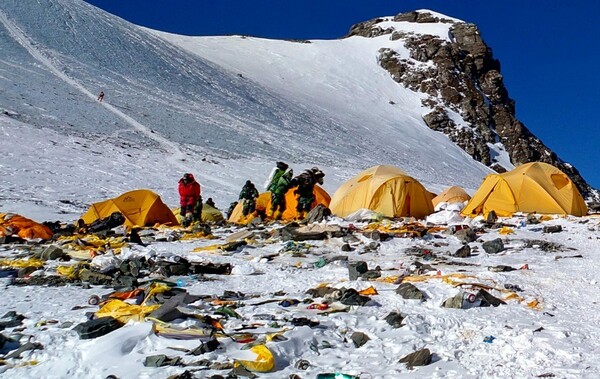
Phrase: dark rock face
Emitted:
{"points": [[462, 76], [368, 29]]}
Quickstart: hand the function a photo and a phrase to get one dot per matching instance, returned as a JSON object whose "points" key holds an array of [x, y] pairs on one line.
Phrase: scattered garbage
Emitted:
{"points": [[336, 375], [94, 300], [302, 364], [552, 229], [158, 287]]}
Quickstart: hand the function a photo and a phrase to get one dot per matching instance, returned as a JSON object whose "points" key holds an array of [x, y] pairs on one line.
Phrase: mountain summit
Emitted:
{"points": [[464, 89]]}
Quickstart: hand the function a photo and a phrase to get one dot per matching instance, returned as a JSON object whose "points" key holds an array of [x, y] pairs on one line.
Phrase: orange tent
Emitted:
{"points": [[23, 227], [263, 204]]}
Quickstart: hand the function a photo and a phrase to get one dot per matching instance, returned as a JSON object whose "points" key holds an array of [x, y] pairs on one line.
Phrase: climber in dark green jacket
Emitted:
{"points": [[248, 195]]}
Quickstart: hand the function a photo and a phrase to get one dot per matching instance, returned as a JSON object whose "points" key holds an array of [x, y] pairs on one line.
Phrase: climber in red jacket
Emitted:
{"points": [[189, 196]]}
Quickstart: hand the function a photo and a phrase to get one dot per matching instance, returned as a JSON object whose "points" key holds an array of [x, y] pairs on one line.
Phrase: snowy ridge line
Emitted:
{"points": [[176, 154]]}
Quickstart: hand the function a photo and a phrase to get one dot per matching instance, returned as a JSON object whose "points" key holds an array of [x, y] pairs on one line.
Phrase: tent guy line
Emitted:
{"points": [[176, 155]]}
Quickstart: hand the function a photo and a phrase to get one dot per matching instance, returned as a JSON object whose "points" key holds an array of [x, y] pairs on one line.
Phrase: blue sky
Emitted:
{"points": [[548, 50]]}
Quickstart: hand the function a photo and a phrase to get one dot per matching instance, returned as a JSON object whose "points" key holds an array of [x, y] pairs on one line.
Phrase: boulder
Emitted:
{"points": [[394, 319], [494, 246], [317, 214], [454, 302], [463, 252], [418, 358], [410, 291], [356, 269], [94, 278], [359, 339], [352, 297], [466, 235]]}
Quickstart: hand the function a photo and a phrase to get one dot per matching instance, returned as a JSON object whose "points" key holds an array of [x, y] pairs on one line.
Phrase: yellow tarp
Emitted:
{"points": [[21, 263], [530, 188], [124, 312], [383, 189], [91, 245]]}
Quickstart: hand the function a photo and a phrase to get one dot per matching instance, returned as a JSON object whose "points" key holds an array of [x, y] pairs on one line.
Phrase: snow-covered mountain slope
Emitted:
{"points": [[323, 103]]}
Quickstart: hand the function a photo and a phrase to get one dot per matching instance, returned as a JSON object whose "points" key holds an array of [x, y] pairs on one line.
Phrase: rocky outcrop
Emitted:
{"points": [[369, 29], [463, 77]]}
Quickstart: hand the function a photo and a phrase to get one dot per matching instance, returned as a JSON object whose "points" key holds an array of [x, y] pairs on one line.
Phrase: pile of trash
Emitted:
{"points": [[327, 280]]}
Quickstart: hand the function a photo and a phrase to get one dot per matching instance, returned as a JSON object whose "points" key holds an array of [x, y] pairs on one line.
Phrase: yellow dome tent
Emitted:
{"points": [[384, 189], [454, 194], [140, 207], [533, 187], [263, 204]]}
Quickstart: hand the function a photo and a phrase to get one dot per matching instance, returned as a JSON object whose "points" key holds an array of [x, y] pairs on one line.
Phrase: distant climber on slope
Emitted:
{"points": [[101, 96]]}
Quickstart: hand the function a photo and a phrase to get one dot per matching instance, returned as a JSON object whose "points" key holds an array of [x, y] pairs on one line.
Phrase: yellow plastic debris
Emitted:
{"points": [[264, 362], [506, 230], [197, 235], [369, 291], [207, 248], [387, 279], [70, 272], [21, 263], [124, 312]]}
